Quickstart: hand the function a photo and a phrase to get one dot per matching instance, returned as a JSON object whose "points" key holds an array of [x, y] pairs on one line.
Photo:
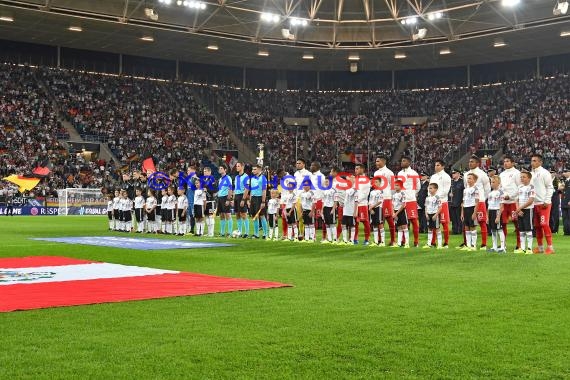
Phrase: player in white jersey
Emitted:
{"points": [[349, 212], [110, 211], [525, 208], [542, 182], [433, 209], [181, 211], [411, 187], [340, 186], [150, 210], [484, 189], [317, 180], [510, 182], [290, 200], [199, 208], [170, 211], [307, 197], [362, 185], [330, 204], [443, 181], [387, 177], [273, 207], [286, 182], [400, 214], [163, 210], [496, 205], [127, 208], [139, 213], [116, 212], [375, 201], [471, 198]]}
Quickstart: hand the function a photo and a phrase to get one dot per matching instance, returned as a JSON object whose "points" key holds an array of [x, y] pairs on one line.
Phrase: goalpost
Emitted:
{"points": [[74, 201]]}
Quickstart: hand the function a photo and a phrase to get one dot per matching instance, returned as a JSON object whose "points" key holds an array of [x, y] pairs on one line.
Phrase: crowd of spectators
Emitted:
{"points": [[140, 118]]}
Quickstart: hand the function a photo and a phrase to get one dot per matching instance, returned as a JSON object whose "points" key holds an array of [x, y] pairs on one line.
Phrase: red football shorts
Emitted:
{"points": [[387, 208], [362, 213], [542, 215], [318, 209], [509, 212], [444, 214], [412, 210], [482, 212]]}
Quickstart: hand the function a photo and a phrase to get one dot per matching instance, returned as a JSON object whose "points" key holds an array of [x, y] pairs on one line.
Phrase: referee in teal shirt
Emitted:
{"points": [[257, 190]]}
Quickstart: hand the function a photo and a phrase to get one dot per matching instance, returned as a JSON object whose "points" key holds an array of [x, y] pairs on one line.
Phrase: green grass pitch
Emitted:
{"points": [[354, 312]]}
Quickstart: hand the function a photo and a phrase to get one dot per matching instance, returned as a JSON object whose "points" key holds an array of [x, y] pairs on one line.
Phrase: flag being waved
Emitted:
{"points": [[23, 183]]}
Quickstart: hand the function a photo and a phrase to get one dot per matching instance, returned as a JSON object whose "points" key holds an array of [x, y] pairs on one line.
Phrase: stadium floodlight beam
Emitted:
{"points": [[7, 18], [270, 17], [565, 33], [499, 43], [354, 57], [167, 2], [510, 3], [445, 51], [298, 22], [409, 20], [212, 47], [434, 16], [308, 56], [147, 38], [400, 55], [75, 28], [561, 8], [263, 53]]}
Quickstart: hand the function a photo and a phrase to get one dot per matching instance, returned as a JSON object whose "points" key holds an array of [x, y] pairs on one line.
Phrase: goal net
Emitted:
{"points": [[81, 202]]}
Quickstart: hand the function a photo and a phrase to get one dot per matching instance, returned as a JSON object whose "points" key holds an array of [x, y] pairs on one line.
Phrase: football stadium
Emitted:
{"points": [[274, 189]]}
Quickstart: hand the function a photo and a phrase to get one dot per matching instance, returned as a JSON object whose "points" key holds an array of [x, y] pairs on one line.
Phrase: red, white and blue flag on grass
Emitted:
{"points": [[49, 281]]}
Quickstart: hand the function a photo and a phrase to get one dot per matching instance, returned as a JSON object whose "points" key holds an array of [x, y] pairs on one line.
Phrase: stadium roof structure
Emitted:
{"points": [[430, 33]]}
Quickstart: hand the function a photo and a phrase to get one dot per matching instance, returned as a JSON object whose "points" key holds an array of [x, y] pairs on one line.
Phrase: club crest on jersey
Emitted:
{"points": [[15, 276]]}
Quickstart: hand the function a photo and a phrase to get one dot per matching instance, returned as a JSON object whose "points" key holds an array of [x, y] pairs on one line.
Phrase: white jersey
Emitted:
{"points": [[471, 196], [182, 203], [412, 184], [543, 187], [126, 204], [340, 192], [482, 183], [387, 177], [350, 198], [164, 202], [272, 206], [307, 199], [525, 193], [116, 201], [318, 180], [199, 197], [510, 182], [330, 196], [433, 203], [496, 197], [398, 200], [376, 198], [300, 176], [363, 191], [289, 199], [110, 205], [150, 203], [139, 202], [443, 181], [171, 202]]}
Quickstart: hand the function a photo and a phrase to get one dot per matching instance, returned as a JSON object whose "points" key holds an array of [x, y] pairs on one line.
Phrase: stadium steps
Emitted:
{"points": [[246, 152], [398, 153]]}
